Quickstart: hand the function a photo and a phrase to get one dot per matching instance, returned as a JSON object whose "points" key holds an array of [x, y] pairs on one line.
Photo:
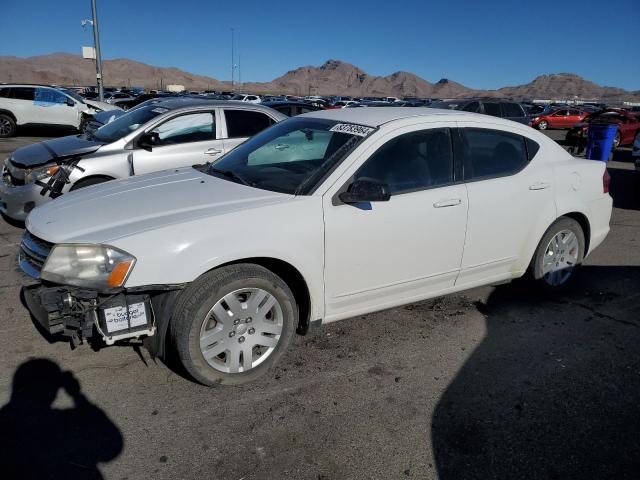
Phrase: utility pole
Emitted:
{"points": [[239, 72], [232, 57], [96, 42]]}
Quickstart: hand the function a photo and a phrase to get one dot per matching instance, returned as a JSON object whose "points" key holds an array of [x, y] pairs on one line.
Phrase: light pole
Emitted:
{"points": [[96, 43], [232, 56]]}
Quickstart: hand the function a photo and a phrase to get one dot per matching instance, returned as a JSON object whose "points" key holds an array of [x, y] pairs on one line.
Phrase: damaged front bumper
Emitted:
{"points": [[83, 314]]}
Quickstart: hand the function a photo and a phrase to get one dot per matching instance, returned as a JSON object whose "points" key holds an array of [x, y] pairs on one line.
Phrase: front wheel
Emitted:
{"points": [[543, 125], [232, 324], [559, 252]]}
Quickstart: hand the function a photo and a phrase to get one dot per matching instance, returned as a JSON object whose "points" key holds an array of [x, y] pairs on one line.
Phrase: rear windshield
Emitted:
{"points": [[128, 123]]}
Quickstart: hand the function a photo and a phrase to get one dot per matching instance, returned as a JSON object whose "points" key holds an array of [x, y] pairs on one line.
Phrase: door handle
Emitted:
{"points": [[539, 186], [452, 202], [212, 151], [281, 146]]}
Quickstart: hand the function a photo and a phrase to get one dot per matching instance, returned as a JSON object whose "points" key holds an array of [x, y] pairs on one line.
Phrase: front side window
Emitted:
{"points": [[291, 157], [47, 96], [491, 153], [245, 123], [195, 127], [412, 161]]}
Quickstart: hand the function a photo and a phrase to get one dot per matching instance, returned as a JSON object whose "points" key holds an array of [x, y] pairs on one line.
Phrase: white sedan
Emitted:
{"points": [[325, 216]]}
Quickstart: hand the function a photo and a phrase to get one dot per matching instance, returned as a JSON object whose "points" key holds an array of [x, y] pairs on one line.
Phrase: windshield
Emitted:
{"points": [[73, 95], [291, 157], [127, 123]]}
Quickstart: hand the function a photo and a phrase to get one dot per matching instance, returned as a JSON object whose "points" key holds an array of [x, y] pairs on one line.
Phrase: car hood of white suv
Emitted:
{"points": [[116, 209]]}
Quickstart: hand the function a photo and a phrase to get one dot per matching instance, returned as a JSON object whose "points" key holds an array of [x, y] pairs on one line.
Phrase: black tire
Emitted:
{"points": [[198, 299], [87, 182], [7, 126], [536, 268]]}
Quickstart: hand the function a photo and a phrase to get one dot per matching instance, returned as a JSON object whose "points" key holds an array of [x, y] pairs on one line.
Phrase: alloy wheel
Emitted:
{"points": [[241, 330], [560, 258], [5, 126]]}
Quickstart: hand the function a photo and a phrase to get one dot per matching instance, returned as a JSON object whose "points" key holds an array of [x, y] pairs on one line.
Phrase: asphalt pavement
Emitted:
{"points": [[493, 383]]}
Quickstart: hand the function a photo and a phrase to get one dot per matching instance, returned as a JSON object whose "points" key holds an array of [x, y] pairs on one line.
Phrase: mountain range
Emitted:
{"points": [[331, 78]]}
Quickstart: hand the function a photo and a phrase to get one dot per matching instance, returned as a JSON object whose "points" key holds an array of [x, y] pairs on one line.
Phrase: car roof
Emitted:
{"points": [[377, 116], [175, 103], [280, 103]]}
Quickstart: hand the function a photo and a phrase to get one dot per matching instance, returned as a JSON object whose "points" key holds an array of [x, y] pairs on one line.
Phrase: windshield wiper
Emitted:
{"points": [[231, 175]]}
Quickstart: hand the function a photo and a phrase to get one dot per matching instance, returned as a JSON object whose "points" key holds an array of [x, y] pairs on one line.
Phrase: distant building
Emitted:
{"points": [[175, 88]]}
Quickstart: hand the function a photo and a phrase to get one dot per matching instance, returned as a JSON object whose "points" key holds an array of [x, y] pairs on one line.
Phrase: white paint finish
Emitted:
{"points": [[397, 252], [396, 247]]}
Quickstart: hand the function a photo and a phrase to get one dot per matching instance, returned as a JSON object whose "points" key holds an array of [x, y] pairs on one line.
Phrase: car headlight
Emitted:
{"points": [[88, 265], [40, 173], [536, 119]]}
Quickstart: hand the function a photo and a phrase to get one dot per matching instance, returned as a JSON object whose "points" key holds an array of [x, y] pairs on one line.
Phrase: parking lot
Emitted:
{"points": [[497, 382]]}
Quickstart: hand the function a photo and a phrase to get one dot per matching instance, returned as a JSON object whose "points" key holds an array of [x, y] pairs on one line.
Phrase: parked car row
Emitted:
{"points": [[216, 249], [22, 104], [167, 134]]}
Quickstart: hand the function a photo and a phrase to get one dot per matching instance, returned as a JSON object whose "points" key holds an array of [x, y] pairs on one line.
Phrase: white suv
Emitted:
{"points": [[43, 105], [322, 217]]}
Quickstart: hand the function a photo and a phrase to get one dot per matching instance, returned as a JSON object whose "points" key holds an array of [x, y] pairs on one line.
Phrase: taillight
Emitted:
{"points": [[606, 181]]}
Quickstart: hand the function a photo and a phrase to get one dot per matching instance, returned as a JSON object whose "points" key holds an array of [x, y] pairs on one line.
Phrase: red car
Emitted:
{"points": [[561, 118], [628, 127]]}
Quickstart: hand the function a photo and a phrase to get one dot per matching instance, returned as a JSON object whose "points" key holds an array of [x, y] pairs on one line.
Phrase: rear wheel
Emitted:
{"points": [[7, 126], [233, 324], [543, 125], [616, 140], [559, 253]]}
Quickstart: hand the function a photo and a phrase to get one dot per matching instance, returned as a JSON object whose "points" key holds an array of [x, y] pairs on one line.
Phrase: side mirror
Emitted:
{"points": [[70, 102], [366, 190], [149, 140]]}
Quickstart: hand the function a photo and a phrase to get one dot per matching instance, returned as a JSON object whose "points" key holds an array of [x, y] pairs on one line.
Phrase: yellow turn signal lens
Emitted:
{"points": [[53, 170], [119, 274]]}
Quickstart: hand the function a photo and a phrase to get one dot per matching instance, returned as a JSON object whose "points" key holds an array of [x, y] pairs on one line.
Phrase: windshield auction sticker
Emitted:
{"points": [[352, 129]]}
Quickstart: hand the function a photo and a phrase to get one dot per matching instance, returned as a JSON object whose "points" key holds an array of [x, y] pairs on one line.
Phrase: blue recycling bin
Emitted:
{"points": [[600, 141]]}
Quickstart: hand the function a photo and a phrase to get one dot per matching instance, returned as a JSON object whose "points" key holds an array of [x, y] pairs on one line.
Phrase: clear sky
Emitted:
{"points": [[481, 44]]}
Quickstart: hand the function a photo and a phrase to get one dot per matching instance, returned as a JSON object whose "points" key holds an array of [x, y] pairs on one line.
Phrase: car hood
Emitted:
{"points": [[101, 105], [105, 212], [54, 149]]}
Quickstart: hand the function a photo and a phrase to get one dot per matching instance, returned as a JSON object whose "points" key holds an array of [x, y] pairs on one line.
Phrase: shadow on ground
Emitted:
{"points": [[527, 407], [38, 441], [625, 188]]}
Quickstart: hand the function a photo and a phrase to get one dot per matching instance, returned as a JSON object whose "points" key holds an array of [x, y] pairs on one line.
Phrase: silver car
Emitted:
{"points": [[168, 134]]}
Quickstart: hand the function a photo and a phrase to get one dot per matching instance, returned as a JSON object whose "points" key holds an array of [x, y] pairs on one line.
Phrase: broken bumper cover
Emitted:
{"points": [[81, 314]]}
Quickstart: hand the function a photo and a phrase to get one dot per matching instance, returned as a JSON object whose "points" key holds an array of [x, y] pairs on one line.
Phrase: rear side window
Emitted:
{"points": [[532, 148], [22, 93], [491, 153], [285, 110], [512, 110], [245, 123], [414, 161], [4, 92], [492, 109], [472, 107]]}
